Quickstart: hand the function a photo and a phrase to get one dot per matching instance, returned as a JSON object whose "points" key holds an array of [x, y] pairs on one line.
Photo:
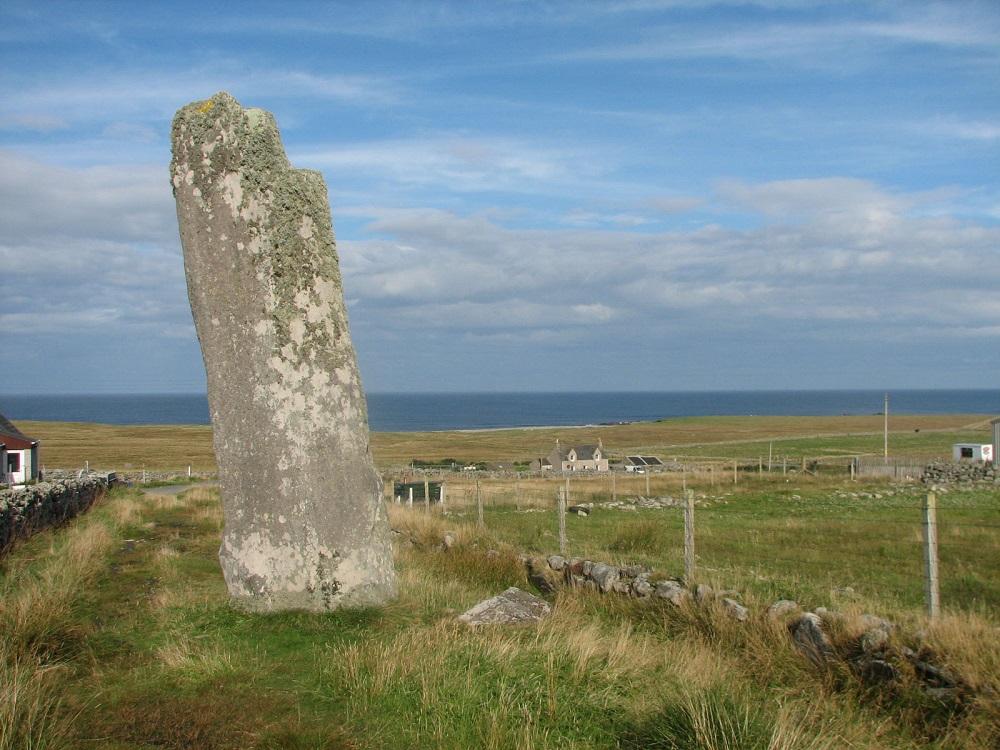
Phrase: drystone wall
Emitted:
{"points": [[27, 510], [957, 473]]}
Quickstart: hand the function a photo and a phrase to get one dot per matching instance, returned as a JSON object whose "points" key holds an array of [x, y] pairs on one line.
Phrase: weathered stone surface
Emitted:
{"points": [[447, 541], [673, 592], [604, 576], [874, 640], [735, 610], [557, 562], [641, 587], [304, 522], [808, 636], [703, 593], [512, 607], [781, 608]]}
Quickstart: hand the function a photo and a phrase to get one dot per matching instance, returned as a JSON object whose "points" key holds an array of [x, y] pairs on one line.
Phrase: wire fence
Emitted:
{"points": [[883, 540]]}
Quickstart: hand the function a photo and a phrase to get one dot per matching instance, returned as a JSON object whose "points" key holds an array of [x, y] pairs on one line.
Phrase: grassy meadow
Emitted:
{"points": [[175, 447], [116, 633]]}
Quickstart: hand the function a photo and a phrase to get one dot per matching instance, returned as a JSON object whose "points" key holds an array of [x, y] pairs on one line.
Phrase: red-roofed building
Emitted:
{"points": [[18, 454]]}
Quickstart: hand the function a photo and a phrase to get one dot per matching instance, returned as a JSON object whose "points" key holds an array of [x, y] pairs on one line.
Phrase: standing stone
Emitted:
{"points": [[304, 523]]}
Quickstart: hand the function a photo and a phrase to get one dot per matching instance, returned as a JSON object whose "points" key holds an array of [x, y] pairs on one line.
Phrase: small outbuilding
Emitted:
{"points": [[972, 452], [642, 464], [18, 454]]}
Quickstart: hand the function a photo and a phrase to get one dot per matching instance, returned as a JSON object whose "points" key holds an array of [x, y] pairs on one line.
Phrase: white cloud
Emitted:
{"points": [[834, 251]]}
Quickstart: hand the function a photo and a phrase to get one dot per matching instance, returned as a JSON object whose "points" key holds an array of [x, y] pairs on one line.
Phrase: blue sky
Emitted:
{"points": [[529, 196]]}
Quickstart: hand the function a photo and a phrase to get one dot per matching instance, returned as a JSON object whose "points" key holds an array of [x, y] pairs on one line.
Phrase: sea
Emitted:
{"points": [[418, 412]]}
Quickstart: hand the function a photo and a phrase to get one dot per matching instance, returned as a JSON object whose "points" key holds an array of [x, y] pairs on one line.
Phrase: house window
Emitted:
{"points": [[966, 452], [13, 462]]}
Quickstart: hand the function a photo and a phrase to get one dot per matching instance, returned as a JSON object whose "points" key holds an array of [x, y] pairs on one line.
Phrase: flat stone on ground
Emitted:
{"points": [[512, 607]]}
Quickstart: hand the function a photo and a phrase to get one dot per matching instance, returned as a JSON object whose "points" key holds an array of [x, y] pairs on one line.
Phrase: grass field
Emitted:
{"points": [[161, 447], [115, 632]]}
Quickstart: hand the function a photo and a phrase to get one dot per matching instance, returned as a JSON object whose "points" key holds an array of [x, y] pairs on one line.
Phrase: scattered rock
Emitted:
{"points": [[512, 607], [556, 562], [874, 640], [603, 575], [673, 592], [703, 593], [808, 636], [538, 576], [448, 541], [492, 554], [781, 608], [641, 587], [875, 671], [735, 610], [581, 510]]}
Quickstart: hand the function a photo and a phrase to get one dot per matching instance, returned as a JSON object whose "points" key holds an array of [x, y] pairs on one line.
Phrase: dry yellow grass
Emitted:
{"points": [[174, 447]]}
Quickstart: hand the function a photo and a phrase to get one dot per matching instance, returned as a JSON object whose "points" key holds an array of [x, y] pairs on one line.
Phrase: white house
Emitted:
{"points": [[577, 458], [18, 454], [972, 452]]}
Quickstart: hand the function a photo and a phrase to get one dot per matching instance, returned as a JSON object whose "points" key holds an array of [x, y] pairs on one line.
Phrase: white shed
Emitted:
{"points": [[972, 452]]}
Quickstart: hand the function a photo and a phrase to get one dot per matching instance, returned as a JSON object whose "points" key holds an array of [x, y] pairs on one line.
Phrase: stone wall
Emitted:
{"points": [[27, 510], [949, 472]]}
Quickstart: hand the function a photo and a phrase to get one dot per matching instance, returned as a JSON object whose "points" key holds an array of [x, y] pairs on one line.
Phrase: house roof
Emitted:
{"points": [[585, 452], [12, 437]]}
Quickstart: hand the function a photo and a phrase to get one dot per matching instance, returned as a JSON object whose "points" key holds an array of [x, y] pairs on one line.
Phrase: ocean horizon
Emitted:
{"points": [[419, 412]]}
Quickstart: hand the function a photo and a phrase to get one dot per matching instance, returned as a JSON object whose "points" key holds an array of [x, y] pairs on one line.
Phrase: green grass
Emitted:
{"points": [[802, 540], [120, 627]]}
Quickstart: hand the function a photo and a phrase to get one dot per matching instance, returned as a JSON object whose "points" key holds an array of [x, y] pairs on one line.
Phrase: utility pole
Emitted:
{"points": [[885, 429]]}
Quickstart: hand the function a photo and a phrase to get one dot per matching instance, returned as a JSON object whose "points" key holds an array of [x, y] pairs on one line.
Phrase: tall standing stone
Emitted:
{"points": [[305, 527]]}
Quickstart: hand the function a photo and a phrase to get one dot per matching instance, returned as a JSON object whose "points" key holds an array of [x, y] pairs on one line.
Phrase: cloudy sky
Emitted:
{"points": [[633, 195]]}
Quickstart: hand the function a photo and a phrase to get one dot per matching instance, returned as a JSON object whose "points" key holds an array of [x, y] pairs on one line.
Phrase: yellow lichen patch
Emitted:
{"points": [[205, 105]]}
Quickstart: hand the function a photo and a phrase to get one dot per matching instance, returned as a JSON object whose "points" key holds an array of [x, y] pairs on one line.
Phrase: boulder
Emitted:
{"points": [[810, 639], [735, 610], [781, 608], [604, 576], [556, 562], [673, 592], [641, 587], [512, 607]]}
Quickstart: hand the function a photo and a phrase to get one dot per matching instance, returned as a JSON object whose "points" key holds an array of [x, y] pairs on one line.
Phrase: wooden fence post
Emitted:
{"points": [[647, 482], [614, 488], [932, 594], [562, 521], [427, 496], [442, 495], [567, 489], [689, 537], [479, 505], [409, 498], [736, 478], [770, 454], [517, 494]]}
